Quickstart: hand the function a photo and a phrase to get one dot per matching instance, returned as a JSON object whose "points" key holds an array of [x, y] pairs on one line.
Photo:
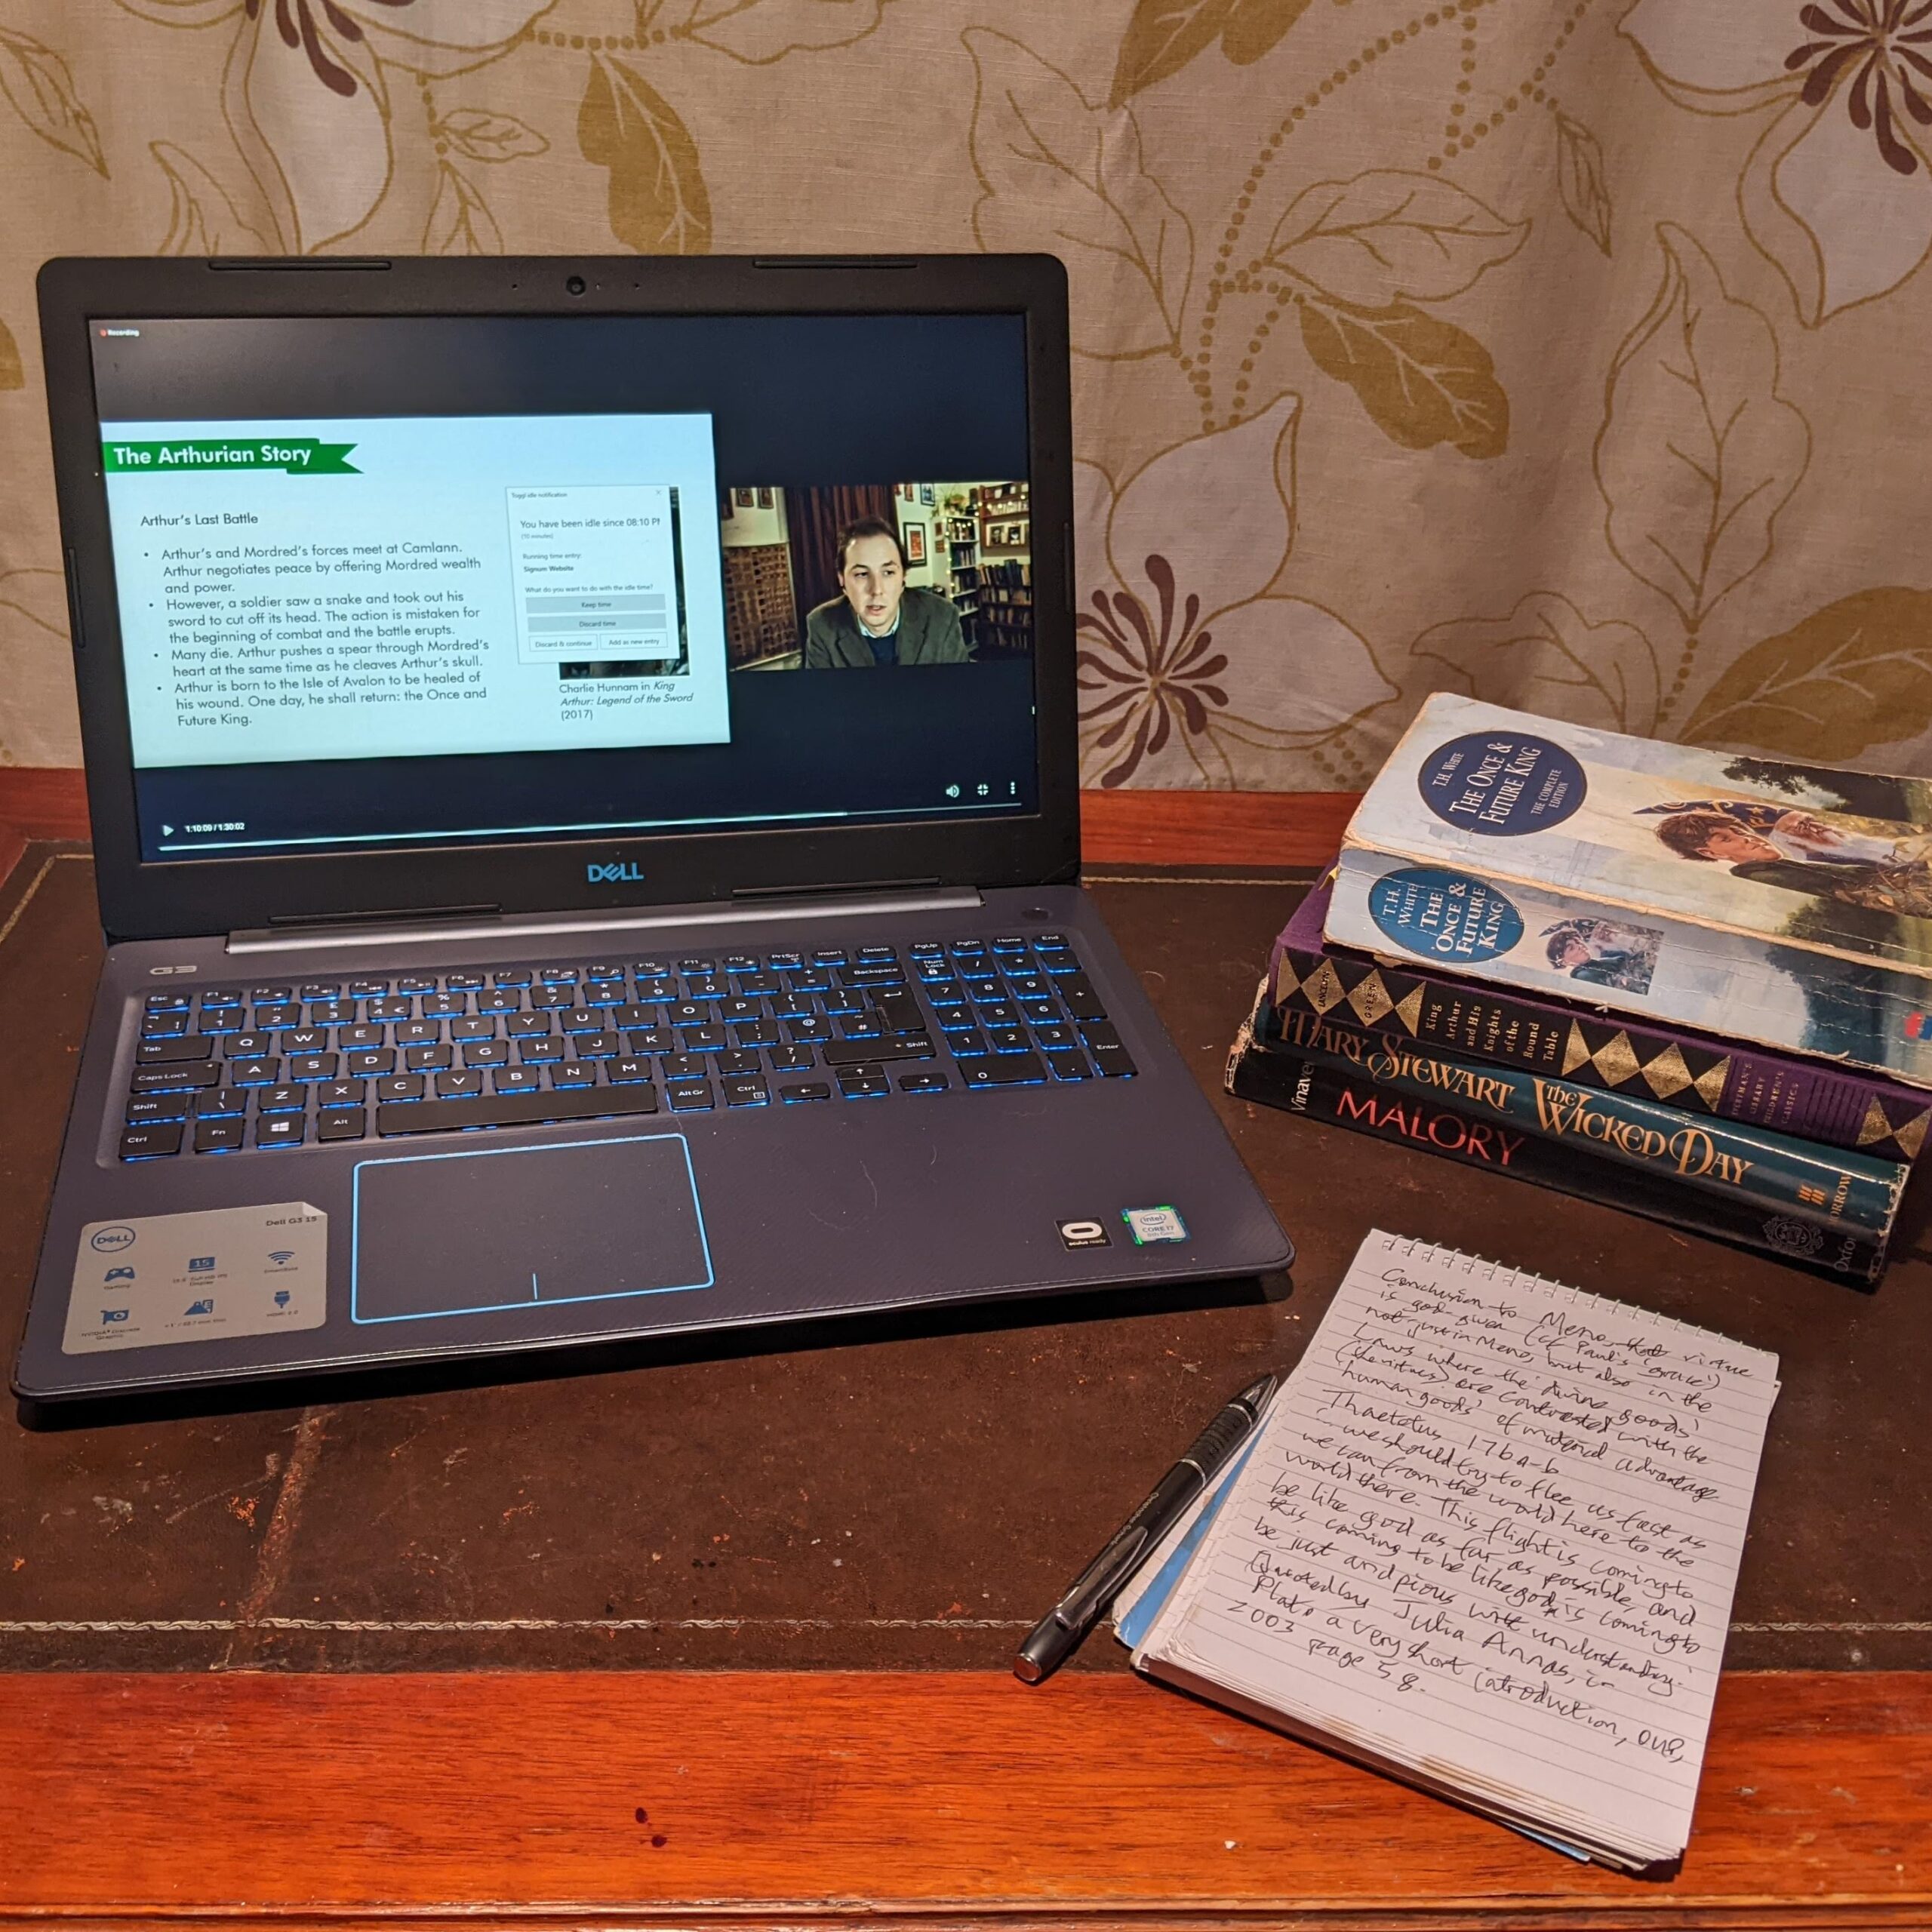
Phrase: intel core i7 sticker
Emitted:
{"points": [[1153, 1224], [155, 1279]]}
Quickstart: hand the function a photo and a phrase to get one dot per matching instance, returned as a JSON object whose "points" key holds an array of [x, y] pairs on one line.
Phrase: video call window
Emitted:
{"points": [[877, 576]]}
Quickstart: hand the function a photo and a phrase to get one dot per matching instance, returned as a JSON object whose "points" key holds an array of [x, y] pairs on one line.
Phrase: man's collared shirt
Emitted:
{"points": [[885, 644]]}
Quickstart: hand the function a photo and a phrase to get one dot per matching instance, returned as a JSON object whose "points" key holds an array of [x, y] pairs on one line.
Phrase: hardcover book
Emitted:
{"points": [[1802, 1097], [1329, 1089], [1722, 1159]]}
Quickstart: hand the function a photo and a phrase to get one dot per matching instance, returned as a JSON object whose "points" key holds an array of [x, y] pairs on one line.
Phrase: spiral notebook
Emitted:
{"points": [[1485, 1539]]}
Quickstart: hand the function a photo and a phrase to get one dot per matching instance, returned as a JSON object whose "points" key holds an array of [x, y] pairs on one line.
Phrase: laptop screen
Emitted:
{"points": [[393, 582]]}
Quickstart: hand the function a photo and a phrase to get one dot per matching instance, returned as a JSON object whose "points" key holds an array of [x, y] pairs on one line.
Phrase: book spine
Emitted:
{"points": [[1807, 1099], [1316, 1089], [1709, 1158], [1752, 989]]}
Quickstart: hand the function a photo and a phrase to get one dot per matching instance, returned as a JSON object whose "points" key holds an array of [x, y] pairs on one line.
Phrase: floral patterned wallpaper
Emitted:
{"points": [[1568, 352]]}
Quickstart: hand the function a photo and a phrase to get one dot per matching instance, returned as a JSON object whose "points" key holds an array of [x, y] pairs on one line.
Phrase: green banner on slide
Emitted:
{"points": [[295, 456]]}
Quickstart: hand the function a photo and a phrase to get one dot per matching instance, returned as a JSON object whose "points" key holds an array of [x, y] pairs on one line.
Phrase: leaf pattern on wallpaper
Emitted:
{"points": [[759, 31], [12, 375], [1546, 656], [1255, 26], [202, 218], [36, 80], [1857, 673], [1699, 451], [659, 204], [1579, 180], [1193, 673], [1058, 173], [478, 134], [1164, 36], [1422, 380], [460, 223], [1388, 235]]}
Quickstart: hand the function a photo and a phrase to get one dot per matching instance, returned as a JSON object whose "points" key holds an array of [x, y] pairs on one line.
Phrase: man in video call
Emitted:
{"points": [[880, 619]]}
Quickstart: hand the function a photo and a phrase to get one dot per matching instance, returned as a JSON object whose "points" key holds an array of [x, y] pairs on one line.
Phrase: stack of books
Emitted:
{"points": [[1695, 985]]}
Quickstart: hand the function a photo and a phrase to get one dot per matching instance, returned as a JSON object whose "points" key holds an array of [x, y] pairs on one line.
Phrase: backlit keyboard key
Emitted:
{"points": [[157, 1107], [175, 1079], [1005, 1070]]}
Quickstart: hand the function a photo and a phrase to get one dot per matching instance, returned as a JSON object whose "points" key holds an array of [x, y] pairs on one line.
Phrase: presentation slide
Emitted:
{"points": [[412, 587]]}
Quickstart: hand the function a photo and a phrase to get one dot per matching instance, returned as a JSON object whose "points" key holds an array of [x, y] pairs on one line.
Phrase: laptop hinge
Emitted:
{"points": [[512, 929]]}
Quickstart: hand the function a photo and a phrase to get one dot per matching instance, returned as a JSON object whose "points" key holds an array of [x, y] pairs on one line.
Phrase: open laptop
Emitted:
{"points": [[583, 765]]}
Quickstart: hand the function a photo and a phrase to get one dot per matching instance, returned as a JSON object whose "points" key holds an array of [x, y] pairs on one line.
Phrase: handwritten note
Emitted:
{"points": [[1490, 1534]]}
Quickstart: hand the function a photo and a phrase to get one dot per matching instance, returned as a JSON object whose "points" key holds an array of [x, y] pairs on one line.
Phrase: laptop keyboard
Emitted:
{"points": [[234, 1069]]}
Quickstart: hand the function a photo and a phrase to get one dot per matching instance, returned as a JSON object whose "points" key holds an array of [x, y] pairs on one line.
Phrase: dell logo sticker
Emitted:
{"points": [[624, 871]]}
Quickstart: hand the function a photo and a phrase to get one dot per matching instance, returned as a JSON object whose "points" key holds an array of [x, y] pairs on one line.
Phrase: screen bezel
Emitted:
{"points": [[148, 899]]}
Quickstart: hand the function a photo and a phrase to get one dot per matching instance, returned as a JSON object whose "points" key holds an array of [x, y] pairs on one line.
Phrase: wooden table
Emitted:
{"points": [[722, 1635]]}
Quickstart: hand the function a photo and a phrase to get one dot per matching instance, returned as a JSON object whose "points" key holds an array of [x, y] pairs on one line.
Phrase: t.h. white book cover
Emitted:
{"points": [[1790, 905]]}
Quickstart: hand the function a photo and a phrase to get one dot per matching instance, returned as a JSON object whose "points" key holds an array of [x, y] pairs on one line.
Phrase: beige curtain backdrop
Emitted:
{"points": [[1572, 355]]}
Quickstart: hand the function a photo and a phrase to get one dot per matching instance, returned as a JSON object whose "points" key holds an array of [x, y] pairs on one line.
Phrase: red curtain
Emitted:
{"points": [[814, 518]]}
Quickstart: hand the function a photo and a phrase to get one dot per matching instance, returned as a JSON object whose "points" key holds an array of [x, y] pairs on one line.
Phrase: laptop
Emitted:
{"points": [[583, 771]]}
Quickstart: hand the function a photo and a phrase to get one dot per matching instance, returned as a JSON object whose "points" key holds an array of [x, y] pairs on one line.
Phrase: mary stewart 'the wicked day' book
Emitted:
{"points": [[1810, 1100], [1787, 905], [1329, 1089]]}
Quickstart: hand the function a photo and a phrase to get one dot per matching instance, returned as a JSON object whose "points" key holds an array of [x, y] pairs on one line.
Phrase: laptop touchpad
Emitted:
{"points": [[485, 1230]]}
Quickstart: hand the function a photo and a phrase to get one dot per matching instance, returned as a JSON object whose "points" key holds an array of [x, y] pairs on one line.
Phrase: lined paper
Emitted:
{"points": [[1490, 1532]]}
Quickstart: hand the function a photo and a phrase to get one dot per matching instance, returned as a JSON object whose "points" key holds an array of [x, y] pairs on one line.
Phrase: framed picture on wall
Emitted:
{"points": [[764, 498], [744, 499], [926, 496], [915, 544]]}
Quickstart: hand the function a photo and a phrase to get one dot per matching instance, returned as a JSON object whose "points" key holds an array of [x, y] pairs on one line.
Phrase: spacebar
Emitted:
{"points": [[515, 1109]]}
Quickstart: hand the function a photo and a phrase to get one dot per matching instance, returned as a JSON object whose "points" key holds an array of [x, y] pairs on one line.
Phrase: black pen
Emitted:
{"points": [[1064, 1628]]}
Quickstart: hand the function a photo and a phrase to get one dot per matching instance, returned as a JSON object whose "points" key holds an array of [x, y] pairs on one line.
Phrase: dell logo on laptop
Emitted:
{"points": [[624, 871]]}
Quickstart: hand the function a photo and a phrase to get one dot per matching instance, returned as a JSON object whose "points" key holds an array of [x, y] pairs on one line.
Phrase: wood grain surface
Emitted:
{"points": [[1231, 828], [38, 803], [667, 1798]]}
